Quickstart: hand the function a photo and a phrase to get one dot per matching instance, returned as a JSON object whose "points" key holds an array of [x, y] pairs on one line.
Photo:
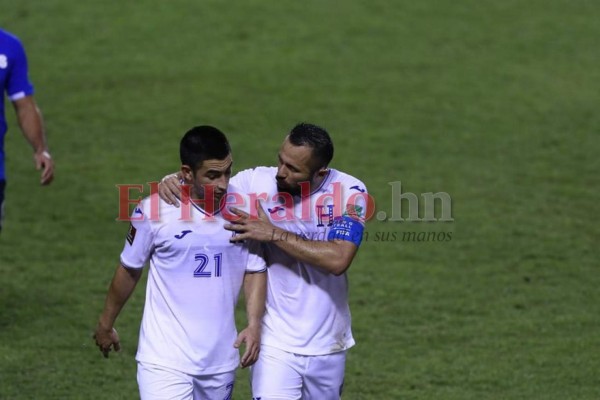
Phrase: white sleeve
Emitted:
{"points": [[357, 200], [139, 241], [243, 180], [256, 261]]}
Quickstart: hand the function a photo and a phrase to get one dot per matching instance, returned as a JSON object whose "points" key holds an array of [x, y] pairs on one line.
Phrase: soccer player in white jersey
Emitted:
{"points": [[188, 347], [312, 219]]}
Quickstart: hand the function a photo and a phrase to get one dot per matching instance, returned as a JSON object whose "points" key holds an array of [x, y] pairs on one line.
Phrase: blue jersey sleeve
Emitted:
{"points": [[17, 84]]}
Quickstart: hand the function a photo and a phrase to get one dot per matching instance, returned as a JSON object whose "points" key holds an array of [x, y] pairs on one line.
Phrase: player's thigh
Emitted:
{"points": [[276, 375], [324, 377], [159, 383], [214, 387]]}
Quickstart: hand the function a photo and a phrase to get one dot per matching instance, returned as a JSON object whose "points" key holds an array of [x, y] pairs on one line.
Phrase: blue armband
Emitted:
{"points": [[346, 228]]}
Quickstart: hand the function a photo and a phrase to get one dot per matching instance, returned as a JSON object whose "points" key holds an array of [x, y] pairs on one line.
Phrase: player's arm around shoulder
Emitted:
{"points": [[333, 255], [169, 188]]}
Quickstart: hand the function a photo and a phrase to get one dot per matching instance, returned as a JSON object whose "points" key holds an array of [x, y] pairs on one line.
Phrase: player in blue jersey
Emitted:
{"points": [[15, 82]]}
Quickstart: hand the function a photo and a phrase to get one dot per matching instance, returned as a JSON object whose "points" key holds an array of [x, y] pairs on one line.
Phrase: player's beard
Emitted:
{"points": [[282, 187]]}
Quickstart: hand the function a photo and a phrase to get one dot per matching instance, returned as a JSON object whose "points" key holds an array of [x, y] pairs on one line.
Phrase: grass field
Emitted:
{"points": [[495, 103]]}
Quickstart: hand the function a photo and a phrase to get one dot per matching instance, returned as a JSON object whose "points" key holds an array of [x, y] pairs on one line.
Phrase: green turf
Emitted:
{"points": [[492, 102]]}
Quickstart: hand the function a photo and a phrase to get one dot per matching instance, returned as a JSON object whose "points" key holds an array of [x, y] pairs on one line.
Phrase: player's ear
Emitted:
{"points": [[187, 174], [322, 171]]}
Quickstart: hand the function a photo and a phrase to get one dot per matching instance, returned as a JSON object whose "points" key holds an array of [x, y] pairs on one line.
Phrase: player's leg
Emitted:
{"points": [[159, 383], [214, 387], [2, 186], [277, 375], [324, 377]]}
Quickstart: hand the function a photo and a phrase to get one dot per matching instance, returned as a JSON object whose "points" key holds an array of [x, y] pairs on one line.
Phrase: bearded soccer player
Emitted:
{"points": [[312, 220], [188, 347]]}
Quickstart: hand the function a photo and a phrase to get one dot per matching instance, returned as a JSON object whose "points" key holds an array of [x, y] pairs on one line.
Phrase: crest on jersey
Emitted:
{"points": [[354, 211], [324, 215]]}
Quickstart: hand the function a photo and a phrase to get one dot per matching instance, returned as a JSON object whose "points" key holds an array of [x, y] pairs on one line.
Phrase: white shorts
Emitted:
{"points": [[156, 382], [279, 375]]}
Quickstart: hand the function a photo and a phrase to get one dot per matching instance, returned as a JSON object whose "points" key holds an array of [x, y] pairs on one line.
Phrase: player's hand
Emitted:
{"points": [[43, 161], [107, 338], [246, 226], [251, 337], [169, 189]]}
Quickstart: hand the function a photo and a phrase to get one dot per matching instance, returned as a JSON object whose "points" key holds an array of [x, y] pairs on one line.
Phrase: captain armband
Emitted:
{"points": [[346, 228]]}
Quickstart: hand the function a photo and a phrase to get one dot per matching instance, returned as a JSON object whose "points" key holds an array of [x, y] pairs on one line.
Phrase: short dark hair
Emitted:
{"points": [[203, 143], [317, 138]]}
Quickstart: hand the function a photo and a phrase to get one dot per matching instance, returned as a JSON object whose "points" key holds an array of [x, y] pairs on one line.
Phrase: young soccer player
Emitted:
{"points": [[188, 346]]}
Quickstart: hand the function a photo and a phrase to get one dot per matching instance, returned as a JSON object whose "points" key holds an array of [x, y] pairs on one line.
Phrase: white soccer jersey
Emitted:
{"points": [[193, 284], [307, 308]]}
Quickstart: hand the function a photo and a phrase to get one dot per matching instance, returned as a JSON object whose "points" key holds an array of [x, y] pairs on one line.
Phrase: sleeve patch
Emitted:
{"points": [[353, 210], [346, 228], [131, 234]]}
